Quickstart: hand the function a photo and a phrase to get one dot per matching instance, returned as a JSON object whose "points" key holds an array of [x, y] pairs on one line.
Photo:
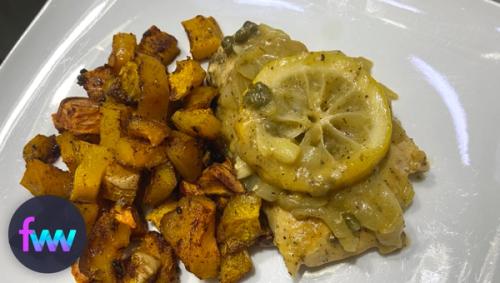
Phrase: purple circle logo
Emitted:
{"points": [[47, 234]]}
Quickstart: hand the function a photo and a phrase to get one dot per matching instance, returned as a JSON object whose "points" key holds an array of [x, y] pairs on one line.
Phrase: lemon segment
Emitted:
{"points": [[327, 124]]}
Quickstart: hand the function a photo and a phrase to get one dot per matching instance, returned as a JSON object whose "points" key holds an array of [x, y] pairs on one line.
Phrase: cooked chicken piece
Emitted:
{"points": [[310, 241]]}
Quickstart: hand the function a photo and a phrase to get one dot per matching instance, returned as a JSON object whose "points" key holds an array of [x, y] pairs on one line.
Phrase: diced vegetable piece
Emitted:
{"points": [[129, 216], [161, 186], [190, 229], [155, 90], [89, 174], [89, 212], [104, 248], [188, 74], [200, 97], [130, 84], [98, 82], [123, 50], [239, 225], [111, 114], [220, 174], [46, 179], [78, 115], [139, 154], [190, 189], [186, 155], [197, 122], [72, 149], [43, 148], [154, 131], [157, 214], [235, 266], [120, 183], [77, 274], [159, 44], [204, 35], [152, 259]]}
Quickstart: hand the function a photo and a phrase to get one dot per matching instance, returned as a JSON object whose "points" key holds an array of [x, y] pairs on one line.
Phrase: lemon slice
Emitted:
{"points": [[314, 122]]}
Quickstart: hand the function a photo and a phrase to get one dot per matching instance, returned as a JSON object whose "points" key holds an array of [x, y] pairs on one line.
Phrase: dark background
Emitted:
{"points": [[15, 16]]}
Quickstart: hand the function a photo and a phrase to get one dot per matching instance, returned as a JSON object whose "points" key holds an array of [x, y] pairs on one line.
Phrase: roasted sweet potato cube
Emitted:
{"points": [[104, 249], [204, 36], [197, 122], [200, 97], [190, 229], [46, 179], [139, 154], [186, 155], [89, 212], [188, 74], [72, 149], [159, 44], [151, 130], [43, 148], [123, 50], [120, 183], [161, 186], [78, 115], [155, 215], [98, 82], [235, 266], [239, 225], [89, 174], [154, 101]]}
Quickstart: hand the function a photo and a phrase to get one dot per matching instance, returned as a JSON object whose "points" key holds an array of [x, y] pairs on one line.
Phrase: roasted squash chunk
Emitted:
{"points": [[89, 174], [155, 216], [104, 248], [159, 44], [43, 148], [111, 114], [130, 91], [89, 212], [161, 186], [204, 35], [235, 266], [197, 122], [123, 50], [98, 82], [139, 154], [155, 90], [200, 97], [151, 130], [153, 258], [190, 189], [239, 225], [220, 175], [78, 115], [72, 149], [46, 179], [186, 155], [120, 183], [190, 229], [188, 74]]}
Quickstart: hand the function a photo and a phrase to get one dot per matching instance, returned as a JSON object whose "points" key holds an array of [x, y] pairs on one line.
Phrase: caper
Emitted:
{"points": [[258, 95], [352, 222], [244, 33], [227, 44]]}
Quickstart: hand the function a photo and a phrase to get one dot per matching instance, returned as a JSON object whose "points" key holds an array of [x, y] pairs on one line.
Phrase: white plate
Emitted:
{"points": [[442, 57]]}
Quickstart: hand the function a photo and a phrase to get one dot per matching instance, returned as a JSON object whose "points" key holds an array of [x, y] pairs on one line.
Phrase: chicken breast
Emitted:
{"points": [[311, 242]]}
